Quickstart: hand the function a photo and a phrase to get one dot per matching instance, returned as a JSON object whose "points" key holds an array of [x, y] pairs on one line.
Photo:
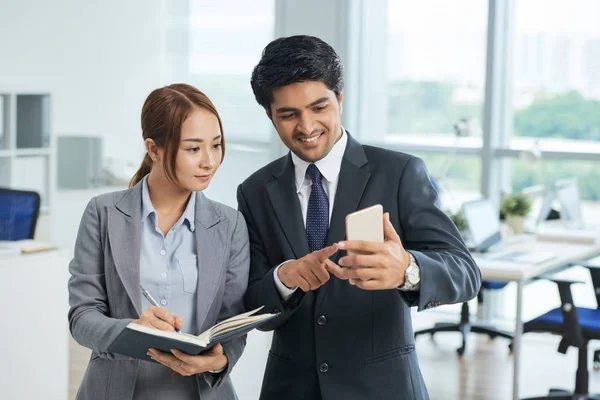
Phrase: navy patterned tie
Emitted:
{"points": [[317, 214]]}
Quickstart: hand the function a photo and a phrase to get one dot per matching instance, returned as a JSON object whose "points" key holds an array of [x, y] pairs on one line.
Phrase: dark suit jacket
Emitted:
{"points": [[341, 342]]}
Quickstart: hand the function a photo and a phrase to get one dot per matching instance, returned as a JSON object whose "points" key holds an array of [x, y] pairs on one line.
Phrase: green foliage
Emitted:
{"points": [[587, 173], [425, 107], [458, 218], [568, 115], [515, 204]]}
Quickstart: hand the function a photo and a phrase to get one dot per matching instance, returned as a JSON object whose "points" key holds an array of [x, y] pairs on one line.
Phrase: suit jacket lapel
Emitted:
{"points": [[285, 203], [211, 245], [351, 186], [124, 234]]}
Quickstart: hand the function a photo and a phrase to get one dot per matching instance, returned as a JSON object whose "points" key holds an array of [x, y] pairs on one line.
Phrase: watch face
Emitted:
{"points": [[412, 277]]}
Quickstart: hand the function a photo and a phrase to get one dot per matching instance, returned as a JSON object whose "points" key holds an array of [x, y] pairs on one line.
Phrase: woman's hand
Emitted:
{"points": [[186, 365], [160, 318]]}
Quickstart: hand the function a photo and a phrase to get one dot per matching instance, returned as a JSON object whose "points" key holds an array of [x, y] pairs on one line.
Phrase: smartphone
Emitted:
{"points": [[365, 224]]}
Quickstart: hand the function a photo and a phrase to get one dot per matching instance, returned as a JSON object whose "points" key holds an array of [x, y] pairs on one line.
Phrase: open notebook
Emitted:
{"points": [[136, 339]]}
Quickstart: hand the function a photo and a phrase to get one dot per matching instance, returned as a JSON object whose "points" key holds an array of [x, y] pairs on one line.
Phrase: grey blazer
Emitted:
{"points": [[104, 292]]}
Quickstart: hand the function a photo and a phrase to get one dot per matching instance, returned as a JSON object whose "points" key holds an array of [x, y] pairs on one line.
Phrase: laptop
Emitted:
{"points": [[483, 221]]}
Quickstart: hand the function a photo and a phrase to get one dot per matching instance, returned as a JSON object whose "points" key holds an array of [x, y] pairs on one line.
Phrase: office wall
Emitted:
{"points": [[99, 59]]}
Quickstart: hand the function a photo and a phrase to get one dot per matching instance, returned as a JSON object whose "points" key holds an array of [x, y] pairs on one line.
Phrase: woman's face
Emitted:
{"points": [[200, 151]]}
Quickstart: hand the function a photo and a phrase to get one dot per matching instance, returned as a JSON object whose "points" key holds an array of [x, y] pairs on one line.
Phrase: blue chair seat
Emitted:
{"points": [[492, 285], [552, 321]]}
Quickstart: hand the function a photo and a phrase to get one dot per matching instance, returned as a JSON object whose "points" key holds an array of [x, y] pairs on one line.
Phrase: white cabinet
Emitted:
{"points": [[34, 337], [27, 147]]}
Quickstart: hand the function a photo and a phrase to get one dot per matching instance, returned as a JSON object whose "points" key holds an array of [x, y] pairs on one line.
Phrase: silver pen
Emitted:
{"points": [[149, 297]]}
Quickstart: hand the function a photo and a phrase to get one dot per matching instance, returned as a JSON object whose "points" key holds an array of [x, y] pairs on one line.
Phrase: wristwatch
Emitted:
{"points": [[412, 275]]}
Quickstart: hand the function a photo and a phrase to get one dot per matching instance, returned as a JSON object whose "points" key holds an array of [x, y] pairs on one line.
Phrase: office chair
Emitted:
{"points": [[464, 326], [19, 210], [577, 326]]}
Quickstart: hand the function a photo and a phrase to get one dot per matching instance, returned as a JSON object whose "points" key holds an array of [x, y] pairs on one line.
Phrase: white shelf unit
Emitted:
{"points": [[27, 145]]}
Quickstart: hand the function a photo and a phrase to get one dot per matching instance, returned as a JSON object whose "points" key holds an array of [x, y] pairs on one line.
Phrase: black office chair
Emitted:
{"points": [[577, 326], [464, 326], [19, 210]]}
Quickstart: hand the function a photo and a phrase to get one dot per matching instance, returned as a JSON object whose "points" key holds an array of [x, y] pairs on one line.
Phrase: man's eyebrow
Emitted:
{"points": [[321, 100], [292, 109]]}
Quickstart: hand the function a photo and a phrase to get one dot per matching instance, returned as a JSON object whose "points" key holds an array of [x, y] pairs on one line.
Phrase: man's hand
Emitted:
{"points": [[186, 365], [374, 266], [308, 272], [160, 318]]}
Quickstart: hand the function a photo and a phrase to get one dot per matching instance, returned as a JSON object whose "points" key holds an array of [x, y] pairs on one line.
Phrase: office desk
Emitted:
{"points": [[34, 335], [507, 271]]}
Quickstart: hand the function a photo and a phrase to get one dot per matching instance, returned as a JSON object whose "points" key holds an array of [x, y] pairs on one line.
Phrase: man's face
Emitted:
{"points": [[307, 117]]}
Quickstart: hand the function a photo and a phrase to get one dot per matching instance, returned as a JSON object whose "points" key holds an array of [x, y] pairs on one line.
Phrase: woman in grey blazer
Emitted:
{"points": [[189, 252]]}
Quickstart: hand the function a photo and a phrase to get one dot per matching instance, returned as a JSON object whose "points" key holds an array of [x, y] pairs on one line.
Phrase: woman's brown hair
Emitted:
{"points": [[163, 114]]}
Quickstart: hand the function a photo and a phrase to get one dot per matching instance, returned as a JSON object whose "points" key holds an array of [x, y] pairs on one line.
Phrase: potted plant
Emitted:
{"points": [[459, 220], [514, 208]]}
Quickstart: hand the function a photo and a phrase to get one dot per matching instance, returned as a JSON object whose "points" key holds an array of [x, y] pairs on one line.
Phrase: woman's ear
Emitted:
{"points": [[152, 149]]}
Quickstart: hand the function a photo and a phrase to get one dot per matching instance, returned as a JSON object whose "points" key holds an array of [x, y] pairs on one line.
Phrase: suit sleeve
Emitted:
{"points": [[261, 286], [236, 282], [448, 272], [89, 322]]}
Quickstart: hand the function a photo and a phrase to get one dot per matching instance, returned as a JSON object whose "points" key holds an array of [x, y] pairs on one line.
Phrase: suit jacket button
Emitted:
{"points": [[322, 320], [323, 367]]}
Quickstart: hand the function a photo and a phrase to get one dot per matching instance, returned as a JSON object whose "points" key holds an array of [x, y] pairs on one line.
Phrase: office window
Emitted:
{"points": [[213, 45], [435, 64], [556, 95], [547, 172], [457, 177], [239, 163]]}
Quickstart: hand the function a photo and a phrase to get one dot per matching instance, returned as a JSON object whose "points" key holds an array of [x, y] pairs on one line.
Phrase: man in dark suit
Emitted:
{"points": [[343, 333]]}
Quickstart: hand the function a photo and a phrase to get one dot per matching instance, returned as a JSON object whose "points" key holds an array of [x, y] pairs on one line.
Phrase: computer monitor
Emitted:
{"points": [[541, 205], [567, 192], [483, 221]]}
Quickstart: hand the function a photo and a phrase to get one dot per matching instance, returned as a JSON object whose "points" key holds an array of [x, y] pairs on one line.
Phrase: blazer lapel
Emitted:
{"points": [[124, 234], [211, 245], [285, 203], [351, 186]]}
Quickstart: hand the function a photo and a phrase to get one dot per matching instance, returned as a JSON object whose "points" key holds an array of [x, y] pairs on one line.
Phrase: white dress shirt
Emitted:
{"points": [[329, 166]]}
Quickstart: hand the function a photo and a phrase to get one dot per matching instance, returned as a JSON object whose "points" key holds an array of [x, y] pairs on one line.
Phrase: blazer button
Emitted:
{"points": [[323, 367], [322, 320]]}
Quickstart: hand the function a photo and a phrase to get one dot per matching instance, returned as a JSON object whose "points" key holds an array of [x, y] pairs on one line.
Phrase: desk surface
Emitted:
{"points": [[506, 271]]}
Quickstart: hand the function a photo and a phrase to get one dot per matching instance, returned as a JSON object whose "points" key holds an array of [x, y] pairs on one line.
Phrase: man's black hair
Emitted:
{"points": [[296, 59]]}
